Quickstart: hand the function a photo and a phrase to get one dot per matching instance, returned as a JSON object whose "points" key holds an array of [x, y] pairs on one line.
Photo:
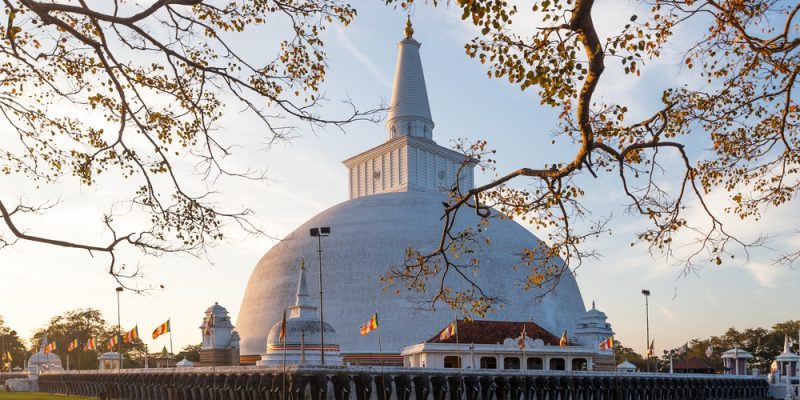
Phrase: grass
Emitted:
{"points": [[37, 396]]}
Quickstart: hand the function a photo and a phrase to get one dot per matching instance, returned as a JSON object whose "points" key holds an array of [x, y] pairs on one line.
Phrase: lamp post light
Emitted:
{"points": [[646, 294], [119, 332], [319, 233]]}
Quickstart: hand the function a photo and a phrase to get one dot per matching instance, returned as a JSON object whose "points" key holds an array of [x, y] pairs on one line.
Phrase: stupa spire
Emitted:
{"points": [[302, 298], [409, 111], [409, 31], [786, 346]]}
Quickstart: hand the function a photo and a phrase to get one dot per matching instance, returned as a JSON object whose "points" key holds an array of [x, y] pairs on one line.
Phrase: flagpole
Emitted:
{"points": [[169, 324], [283, 390], [569, 356], [283, 330], [380, 349], [382, 395], [458, 345], [524, 366], [684, 351]]}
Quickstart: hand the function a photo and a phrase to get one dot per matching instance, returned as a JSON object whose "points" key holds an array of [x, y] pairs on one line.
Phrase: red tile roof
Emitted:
{"points": [[491, 332]]}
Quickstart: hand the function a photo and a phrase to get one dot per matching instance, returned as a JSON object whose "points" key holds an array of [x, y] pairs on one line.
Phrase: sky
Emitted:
{"points": [[307, 177]]}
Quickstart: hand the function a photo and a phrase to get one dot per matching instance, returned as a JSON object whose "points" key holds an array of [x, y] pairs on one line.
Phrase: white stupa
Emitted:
{"points": [[43, 360], [396, 194], [301, 344]]}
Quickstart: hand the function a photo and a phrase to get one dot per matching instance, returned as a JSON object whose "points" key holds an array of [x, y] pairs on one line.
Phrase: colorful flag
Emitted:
{"points": [[521, 339], [370, 325], [90, 344], [283, 327], [449, 332], [131, 335], [51, 347], [72, 345], [8, 357], [607, 344], [162, 329], [112, 342], [210, 324], [651, 348], [709, 351], [564, 341]]}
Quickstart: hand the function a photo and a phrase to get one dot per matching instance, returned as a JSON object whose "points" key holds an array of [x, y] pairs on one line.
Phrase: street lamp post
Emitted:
{"points": [[646, 294], [319, 233], [119, 332]]}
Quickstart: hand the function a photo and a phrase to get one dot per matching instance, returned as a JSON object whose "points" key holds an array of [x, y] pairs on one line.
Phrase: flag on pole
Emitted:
{"points": [[51, 347], [521, 339], [683, 349], [210, 324], [283, 327], [112, 342], [72, 345], [162, 329], [370, 325], [709, 351], [91, 344], [448, 332], [651, 348], [131, 335], [8, 357], [607, 344], [564, 341]]}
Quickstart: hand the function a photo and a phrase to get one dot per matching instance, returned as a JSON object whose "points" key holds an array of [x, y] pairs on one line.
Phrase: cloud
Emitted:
{"points": [[667, 313], [768, 275], [348, 45]]}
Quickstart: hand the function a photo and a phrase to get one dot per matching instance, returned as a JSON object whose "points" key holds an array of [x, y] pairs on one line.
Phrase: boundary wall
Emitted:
{"points": [[366, 383]]}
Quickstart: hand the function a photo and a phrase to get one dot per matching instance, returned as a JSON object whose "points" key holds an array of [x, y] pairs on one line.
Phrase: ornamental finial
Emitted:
{"points": [[409, 30], [303, 264]]}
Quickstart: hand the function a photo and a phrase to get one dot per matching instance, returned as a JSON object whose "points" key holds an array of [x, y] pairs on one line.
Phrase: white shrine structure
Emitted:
{"points": [[220, 345], [301, 344], [501, 345], [42, 361], [787, 362], [735, 361]]}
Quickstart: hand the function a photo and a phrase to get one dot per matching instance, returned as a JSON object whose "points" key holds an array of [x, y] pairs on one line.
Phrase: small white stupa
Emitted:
{"points": [[735, 361], [44, 361], [301, 343], [109, 360], [184, 363], [787, 361], [626, 366]]}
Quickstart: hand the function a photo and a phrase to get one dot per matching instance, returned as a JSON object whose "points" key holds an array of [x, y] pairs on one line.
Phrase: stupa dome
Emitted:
{"points": [[371, 233], [41, 361]]}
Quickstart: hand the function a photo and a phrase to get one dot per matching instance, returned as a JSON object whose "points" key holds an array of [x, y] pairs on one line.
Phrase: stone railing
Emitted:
{"points": [[351, 383]]}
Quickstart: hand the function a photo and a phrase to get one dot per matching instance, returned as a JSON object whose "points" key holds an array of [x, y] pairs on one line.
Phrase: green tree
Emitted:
{"points": [[12, 344], [191, 352], [125, 89], [80, 324], [622, 354], [764, 344]]}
